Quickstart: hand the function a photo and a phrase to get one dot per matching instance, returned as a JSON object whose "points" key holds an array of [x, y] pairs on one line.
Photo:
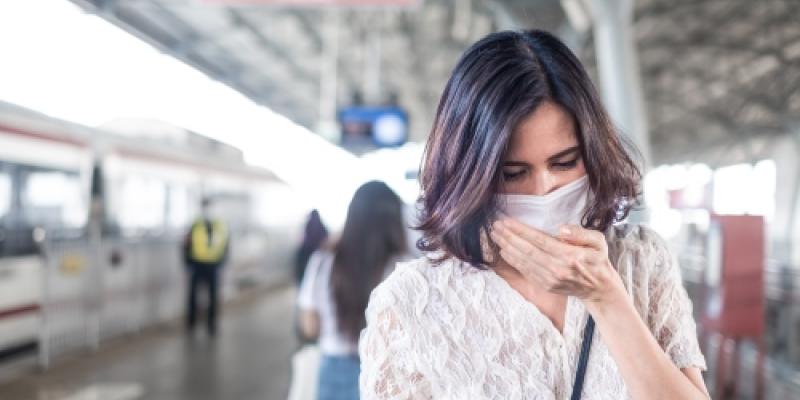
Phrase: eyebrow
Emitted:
{"points": [[563, 153], [552, 158]]}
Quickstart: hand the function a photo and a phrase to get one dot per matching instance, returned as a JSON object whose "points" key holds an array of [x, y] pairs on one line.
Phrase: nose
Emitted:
{"points": [[542, 183]]}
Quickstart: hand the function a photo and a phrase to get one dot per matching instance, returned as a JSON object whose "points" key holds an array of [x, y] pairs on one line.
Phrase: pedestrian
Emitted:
{"points": [[338, 283], [205, 250]]}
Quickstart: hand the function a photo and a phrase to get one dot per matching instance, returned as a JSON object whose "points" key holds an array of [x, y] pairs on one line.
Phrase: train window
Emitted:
{"points": [[141, 204], [232, 208], [53, 199], [5, 194], [178, 207]]}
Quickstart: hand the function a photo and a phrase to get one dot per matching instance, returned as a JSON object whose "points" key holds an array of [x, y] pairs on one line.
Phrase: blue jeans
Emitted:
{"points": [[338, 378]]}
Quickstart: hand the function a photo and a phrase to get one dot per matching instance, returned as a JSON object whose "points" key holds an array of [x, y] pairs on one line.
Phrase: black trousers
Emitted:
{"points": [[206, 277]]}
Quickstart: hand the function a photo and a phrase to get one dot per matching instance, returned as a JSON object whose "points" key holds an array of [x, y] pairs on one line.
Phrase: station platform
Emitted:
{"points": [[248, 360]]}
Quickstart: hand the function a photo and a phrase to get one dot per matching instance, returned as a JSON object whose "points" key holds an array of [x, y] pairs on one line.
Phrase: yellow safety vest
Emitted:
{"points": [[202, 250]]}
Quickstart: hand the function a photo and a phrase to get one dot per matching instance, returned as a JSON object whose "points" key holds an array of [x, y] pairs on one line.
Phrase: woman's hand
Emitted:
{"points": [[575, 264]]}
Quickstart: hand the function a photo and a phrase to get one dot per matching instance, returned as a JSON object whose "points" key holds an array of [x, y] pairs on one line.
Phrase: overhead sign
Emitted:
{"points": [[385, 126]]}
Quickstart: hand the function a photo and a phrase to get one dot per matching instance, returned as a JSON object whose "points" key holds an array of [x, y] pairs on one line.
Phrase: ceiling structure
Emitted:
{"points": [[278, 55], [719, 76], [714, 72]]}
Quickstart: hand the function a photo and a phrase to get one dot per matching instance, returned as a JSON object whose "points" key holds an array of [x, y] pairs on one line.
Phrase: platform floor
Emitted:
{"points": [[248, 360]]}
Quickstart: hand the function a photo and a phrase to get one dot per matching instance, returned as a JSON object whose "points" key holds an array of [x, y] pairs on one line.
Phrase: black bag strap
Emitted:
{"points": [[588, 332]]}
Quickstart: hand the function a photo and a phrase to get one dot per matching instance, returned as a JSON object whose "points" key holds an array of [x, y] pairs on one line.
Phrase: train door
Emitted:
{"points": [[19, 269], [47, 249]]}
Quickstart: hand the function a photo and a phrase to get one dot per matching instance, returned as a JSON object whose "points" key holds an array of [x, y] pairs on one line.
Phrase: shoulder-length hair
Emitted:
{"points": [[373, 233], [498, 82]]}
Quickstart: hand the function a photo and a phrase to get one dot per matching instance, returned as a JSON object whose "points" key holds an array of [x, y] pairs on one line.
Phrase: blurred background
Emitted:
{"points": [[119, 117]]}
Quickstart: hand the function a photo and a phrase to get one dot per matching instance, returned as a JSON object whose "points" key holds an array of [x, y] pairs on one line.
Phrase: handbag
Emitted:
{"points": [[588, 332], [305, 372], [306, 360]]}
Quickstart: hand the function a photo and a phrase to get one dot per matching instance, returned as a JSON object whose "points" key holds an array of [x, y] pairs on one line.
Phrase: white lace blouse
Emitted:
{"points": [[456, 332]]}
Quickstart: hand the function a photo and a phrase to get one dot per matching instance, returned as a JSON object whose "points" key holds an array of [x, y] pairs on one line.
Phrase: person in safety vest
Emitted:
{"points": [[205, 249]]}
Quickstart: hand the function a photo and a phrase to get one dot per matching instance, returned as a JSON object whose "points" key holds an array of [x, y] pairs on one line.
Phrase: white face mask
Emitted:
{"points": [[565, 205]]}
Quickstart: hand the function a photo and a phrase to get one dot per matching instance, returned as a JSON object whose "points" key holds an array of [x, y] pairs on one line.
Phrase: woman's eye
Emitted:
{"points": [[513, 175], [566, 165]]}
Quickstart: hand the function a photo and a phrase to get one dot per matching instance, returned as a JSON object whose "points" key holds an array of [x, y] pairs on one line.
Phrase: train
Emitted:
{"points": [[92, 221]]}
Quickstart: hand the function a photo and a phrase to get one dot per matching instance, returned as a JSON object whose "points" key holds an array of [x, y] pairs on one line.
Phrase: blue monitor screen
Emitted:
{"points": [[385, 126]]}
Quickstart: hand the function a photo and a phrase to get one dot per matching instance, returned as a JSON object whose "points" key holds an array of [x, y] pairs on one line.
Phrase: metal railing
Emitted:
{"points": [[96, 290]]}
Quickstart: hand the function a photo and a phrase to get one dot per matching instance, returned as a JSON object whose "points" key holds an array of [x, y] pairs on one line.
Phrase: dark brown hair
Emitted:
{"points": [[373, 233], [498, 82]]}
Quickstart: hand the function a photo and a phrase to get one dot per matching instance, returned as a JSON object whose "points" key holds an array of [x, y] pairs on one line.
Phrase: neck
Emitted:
{"points": [[516, 280], [507, 272]]}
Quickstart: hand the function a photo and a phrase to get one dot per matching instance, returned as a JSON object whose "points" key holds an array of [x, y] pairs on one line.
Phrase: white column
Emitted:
{"points": [[327, 126], [618, 67], [793, 228], [373, 55], [782, 226]]}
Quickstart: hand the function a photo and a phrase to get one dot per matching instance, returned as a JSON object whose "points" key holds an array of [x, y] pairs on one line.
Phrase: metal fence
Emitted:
{"points": [[96, 289], [782, 322], [93, 291]]}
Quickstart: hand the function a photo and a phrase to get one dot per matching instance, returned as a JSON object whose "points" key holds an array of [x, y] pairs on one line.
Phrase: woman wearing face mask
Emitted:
{"points": [[533, 286]]}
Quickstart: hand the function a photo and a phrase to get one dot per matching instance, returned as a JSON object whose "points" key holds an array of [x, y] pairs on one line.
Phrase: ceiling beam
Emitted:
{"points": [[269, 46]]}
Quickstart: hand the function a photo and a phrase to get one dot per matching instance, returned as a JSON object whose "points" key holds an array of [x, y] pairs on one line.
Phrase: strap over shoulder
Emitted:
{"points": [[614, 235]]}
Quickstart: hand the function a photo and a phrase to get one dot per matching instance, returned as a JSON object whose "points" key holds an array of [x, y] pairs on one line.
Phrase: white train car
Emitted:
{"points": [[91, 225]]}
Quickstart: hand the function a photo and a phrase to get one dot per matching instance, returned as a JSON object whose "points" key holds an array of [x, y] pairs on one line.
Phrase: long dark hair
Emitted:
{"points": [[314, 237], [499, 81], [373, 233]]}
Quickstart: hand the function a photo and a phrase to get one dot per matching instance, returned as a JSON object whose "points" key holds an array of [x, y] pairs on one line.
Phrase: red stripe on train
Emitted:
{"points": [[12, 130], [11, 312]]}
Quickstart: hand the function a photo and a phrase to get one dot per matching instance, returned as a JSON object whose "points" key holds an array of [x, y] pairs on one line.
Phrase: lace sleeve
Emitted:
{"points": [[387, 370], [670, 317]]}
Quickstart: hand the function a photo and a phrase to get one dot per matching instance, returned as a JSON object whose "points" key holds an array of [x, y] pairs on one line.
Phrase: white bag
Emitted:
{"points": [[305, 373]]}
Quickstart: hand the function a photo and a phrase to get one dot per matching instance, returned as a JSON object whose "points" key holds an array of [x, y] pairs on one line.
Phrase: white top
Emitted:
{"points": [[315, 295], [457, 332]]}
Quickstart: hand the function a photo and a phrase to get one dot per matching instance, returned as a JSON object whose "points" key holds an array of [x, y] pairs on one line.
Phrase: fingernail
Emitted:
{"points": [[566, 231]]}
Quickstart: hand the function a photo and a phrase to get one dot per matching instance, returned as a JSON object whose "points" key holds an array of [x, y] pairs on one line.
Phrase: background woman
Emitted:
{"points": [[337, 284], [314, 236]]}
